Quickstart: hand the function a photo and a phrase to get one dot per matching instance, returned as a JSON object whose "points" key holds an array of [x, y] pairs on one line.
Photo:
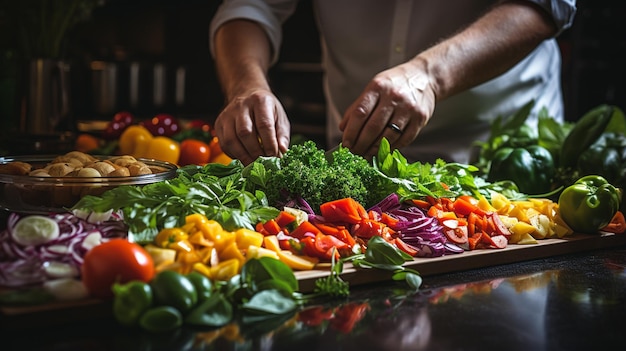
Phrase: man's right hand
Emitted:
{"points": [[253, 124]]}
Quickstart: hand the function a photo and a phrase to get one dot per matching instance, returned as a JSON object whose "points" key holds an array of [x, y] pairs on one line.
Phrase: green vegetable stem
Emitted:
{"points": [[130, 301], [531, 168], [589, 204]]}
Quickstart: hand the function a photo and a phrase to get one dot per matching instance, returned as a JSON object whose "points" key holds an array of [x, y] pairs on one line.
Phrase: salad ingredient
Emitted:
{"points": [[161, 319], [162, 124], [135, 140], [215, 311], [194, 152], [121, 120], [304, 172], [617, 224], [164, 149], [531, 168], [66, 289], [174, 289], [589, 204], [202, 284], [585, 133], [131, 300], [115, 261], [35, 230], [62, 257], [218, 191]]}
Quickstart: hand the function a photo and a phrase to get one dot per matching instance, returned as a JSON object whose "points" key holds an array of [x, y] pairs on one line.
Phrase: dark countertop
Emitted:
{"points": [[567, 302]]}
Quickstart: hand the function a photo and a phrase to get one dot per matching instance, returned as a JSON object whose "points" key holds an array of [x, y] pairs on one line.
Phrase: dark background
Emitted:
{"points": [[175, 34]]}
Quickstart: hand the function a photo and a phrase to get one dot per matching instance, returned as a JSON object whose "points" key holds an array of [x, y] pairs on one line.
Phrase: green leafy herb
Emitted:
{"points": [[216, 191]]}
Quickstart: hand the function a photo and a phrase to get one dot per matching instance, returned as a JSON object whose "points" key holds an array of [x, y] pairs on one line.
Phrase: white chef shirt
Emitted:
{"points": [[360, 38]]}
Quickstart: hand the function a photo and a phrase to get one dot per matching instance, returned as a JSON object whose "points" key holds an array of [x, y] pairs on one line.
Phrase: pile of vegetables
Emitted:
{"points": [[162, 137], [223, 240]]}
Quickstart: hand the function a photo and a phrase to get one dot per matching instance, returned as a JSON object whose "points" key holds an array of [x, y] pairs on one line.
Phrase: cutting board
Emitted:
{"points": [[89, 308]]}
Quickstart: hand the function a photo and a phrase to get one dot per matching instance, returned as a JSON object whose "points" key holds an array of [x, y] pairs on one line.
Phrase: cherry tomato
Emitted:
{"points": [[117, 125], [117, 260], [194, 152], [162, 124], [216, 149]]}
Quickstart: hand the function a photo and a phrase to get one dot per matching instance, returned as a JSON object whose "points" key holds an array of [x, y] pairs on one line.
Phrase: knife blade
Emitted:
{"points": [[329, 153]]}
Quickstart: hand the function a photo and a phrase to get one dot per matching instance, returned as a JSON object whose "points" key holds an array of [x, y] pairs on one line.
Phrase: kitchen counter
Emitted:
{"points": [[564, 302]]}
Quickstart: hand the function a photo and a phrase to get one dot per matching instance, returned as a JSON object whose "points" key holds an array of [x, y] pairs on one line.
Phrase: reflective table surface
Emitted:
{"points": [[566, 302]]}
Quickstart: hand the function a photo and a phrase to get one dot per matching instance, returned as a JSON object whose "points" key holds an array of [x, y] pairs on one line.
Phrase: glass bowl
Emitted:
{"points": [[43, 193]]}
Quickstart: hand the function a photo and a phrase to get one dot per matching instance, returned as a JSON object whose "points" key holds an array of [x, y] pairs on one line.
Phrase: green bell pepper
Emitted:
{"points": [[589, 204], [607, 157], [130, 301], [531, 168], [173, 289]]}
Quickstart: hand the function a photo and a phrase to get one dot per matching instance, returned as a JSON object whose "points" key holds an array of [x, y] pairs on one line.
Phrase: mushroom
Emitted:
{"points": [[103, 167], [120, 172], [88, 172], [39, 173], [75, 157], [15, 168], [123, 161], [139, 168], [59, 169]]}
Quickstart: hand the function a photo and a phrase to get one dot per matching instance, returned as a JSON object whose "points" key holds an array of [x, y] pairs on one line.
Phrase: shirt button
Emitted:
{"points": [[398, 48]]}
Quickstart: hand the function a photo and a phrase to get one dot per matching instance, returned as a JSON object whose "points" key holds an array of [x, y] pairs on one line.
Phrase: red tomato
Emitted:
{"points": [[194, 152], [117, 260]]}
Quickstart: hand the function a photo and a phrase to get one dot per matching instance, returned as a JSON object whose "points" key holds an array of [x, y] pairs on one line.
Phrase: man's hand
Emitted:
{"points": [[253, 125], [396, 105]]}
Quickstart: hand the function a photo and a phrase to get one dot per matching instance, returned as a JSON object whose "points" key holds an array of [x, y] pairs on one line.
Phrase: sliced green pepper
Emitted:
{"points": [[589, 204], [130, 301], [531, 168]]}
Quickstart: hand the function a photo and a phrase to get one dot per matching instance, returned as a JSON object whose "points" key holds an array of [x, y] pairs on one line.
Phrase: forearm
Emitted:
{"points": [[487, 48], [242, 56]]}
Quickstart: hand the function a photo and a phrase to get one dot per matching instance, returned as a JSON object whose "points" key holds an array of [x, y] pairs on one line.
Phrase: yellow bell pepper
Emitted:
{"points": [[137, 141]]}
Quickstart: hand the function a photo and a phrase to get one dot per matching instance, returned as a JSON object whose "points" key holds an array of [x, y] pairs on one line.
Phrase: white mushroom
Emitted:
{"points": [[139, 168], [59, 169], [88, 172], [103, 167]]}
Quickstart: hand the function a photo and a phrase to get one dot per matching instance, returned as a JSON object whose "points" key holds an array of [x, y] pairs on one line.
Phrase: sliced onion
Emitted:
{"points": [[65, 289], [23, 265]]}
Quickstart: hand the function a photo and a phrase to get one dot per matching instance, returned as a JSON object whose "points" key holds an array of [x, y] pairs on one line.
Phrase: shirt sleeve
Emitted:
{"points": [[561, 11], [269, 14]]}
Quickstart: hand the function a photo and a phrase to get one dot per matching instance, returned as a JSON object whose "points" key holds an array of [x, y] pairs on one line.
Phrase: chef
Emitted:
{"points": [[430, 76]]}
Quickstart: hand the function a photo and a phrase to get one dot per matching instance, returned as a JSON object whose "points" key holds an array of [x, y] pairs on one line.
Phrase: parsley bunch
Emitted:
{"points": [[305, 172]]}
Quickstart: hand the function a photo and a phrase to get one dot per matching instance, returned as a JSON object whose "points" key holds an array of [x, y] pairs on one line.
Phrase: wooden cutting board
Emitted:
{"points": [[425, 266]]}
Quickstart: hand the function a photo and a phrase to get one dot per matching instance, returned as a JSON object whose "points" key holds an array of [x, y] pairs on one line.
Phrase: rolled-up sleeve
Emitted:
{"points": [[268, 14], [562, 12]]}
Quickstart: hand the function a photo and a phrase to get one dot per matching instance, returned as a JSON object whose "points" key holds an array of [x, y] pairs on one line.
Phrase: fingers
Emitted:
{"points": [[391, 107], [253, 126]]}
